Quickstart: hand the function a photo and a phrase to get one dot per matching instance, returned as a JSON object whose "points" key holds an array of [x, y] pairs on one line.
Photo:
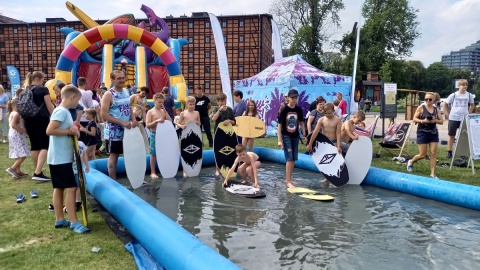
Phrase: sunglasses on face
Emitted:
{"points": [[429, 99]]}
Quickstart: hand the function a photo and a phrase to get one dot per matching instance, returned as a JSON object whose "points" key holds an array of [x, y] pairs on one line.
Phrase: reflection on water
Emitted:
{"points": [[364, 228]]}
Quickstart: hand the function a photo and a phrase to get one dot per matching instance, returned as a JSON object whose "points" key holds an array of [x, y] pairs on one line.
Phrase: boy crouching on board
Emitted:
{"points": [[188, 115], [154, 116], [60, 159], [347, 130], [223, 114], [249, 167]]}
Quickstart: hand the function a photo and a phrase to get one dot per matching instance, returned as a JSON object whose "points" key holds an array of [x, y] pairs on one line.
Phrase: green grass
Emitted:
{"points": [[28, 239]]}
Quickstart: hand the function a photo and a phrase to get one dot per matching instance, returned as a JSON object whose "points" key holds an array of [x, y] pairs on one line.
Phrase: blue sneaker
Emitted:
{"points": [[62, 223], [79, 228], [20, 198], [34, 194]]}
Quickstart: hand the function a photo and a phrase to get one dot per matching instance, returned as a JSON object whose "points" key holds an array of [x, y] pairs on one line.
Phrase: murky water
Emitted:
{"points": [[364, 228]]}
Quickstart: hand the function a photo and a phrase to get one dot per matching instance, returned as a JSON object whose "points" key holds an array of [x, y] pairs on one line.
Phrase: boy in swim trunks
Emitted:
{"points": [[154, 116], [188, 115], [347, 130], [330, 125], [249, 167]]}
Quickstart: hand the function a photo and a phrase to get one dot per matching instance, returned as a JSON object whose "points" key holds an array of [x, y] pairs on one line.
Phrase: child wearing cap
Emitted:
{"points": [[288, 135]]}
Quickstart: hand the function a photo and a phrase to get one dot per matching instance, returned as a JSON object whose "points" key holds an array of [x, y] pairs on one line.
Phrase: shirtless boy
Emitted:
{"points": [[189, 114], [249, 167], [156, 115], [347, 130], [330, 125]]}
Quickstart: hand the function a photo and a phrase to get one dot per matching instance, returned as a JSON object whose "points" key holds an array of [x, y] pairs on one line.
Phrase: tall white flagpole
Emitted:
{"points": [[222, 58]]}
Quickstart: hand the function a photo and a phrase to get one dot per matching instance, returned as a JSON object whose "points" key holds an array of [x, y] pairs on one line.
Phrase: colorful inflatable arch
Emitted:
{"points": [[109, 31]]}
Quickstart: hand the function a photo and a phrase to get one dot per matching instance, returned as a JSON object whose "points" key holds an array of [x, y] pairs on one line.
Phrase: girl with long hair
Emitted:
{"points": [[252, 112]]}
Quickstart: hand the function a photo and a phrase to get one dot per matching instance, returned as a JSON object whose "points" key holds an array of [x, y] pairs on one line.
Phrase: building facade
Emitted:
{"points": [[467, 58], [248, 43]]}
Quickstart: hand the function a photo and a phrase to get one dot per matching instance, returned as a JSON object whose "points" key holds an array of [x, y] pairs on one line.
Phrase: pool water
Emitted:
{"points": [[364, 228]]}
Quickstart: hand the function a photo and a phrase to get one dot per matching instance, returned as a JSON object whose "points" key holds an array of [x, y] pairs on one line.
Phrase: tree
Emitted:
{"points": [[304, 25], [332, 62], [388, 33], [438, 79], [416, 75]]}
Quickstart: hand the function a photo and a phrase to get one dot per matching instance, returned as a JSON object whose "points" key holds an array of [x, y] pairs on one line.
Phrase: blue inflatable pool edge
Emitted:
{"points": [[175, 248]]}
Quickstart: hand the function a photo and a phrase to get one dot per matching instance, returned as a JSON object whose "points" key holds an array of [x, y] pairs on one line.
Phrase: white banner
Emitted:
{"points": [[222, 58], [276, 42], [353, 104]]}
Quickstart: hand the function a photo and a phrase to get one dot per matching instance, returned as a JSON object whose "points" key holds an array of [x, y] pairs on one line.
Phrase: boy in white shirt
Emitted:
{"points": [[457, 105]]}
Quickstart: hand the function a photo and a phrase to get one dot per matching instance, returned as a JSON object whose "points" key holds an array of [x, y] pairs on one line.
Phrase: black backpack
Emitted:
{"points": [[26, 107]]}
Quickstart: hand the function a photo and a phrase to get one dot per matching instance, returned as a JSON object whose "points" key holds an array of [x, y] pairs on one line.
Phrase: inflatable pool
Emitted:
{"points": [[175, 248]]}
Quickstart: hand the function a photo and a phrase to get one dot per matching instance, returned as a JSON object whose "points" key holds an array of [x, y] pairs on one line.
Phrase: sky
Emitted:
{"points": [[445, 25]]}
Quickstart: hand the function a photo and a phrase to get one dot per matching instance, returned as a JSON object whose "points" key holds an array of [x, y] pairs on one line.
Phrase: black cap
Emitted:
{"points": [[292, 93]]}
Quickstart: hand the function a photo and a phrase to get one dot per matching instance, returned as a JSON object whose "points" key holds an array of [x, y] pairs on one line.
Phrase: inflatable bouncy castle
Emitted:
{"points": [[148, 58]]}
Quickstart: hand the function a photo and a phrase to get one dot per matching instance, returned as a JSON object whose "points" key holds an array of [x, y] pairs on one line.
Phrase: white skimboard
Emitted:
{"points": [[145, 139], [167, 149], [359, 159], [135, 161]]}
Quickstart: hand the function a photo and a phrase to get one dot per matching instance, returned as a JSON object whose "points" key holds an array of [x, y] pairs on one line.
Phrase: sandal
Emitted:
{"points": [[62, 223], [79, 228]]}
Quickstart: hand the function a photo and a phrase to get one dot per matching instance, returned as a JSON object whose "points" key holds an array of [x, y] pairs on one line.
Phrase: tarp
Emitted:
{"points": [[268, 88]]}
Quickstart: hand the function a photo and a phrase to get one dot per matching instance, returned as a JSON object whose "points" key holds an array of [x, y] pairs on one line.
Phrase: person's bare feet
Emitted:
{"points": [[255, 185], [153, 176], [185, 175], [324, 180], [217, 174], [244, 182], [290, 185]]}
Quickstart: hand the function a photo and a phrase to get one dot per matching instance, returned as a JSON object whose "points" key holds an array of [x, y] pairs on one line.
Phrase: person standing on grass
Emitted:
{"points": [[287, 131], [60, 160], [203, 105], [343, 104], [116, 112], [427, 117], [3, 114], [87, 102], [456, 106], [36, 126], [17, 140]]}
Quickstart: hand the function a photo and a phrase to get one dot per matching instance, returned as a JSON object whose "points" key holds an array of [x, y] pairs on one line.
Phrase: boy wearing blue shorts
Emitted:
{"points": [[60, 159], [157, 114], [291, 116]]}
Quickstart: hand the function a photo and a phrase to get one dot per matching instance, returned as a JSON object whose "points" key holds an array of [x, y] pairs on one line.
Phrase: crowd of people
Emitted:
{"points": [[99, 117]]}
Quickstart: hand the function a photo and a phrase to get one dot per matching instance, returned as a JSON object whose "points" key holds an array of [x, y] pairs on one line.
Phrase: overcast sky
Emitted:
{"points": [[445, 25]]}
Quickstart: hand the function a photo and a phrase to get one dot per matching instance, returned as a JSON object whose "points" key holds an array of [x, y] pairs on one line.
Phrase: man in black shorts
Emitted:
{"points": [[203, 105]]}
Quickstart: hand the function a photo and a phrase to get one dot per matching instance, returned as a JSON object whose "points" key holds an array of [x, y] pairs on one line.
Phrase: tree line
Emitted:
{"points": [[386, 40]]}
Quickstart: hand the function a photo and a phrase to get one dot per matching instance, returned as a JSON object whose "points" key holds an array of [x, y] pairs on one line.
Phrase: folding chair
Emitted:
{"points": [[396, 137], [369, 131]]}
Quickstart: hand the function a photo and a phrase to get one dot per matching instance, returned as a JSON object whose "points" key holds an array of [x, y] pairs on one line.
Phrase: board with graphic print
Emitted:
{"points": [[329, 162], [224, 144], [191, 149]]}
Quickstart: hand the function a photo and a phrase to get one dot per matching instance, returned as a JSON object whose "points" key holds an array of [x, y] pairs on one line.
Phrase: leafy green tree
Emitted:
{"points": [[304, 24], [332, 62], [416, 75], [438, 79], [389, 31]]}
